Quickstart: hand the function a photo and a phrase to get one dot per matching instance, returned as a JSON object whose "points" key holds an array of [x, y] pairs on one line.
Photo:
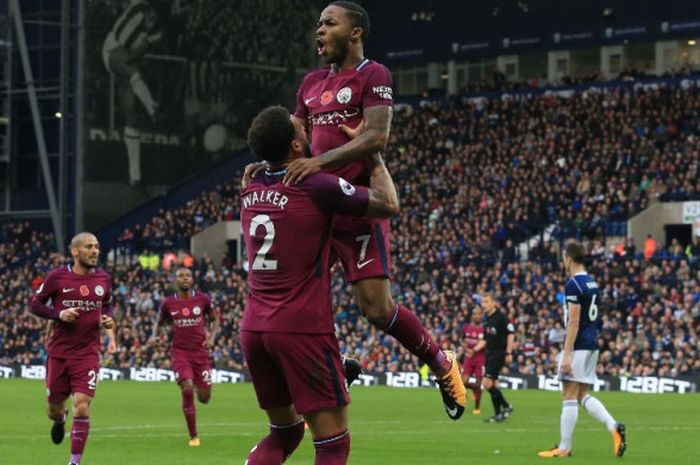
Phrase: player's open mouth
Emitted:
{"points": [[321, 47]]}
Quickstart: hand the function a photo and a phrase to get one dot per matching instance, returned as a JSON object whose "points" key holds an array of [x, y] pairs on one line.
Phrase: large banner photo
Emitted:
{"points": [[172, 85]]}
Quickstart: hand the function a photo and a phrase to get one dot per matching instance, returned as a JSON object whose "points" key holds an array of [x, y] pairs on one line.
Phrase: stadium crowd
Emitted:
{"points": [[465, 170]]}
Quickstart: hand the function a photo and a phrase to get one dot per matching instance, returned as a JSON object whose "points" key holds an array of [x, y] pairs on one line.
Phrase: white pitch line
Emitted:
{"points": [[492, 429]]}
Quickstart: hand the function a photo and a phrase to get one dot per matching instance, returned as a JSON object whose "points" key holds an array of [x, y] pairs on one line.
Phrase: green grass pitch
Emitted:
{"points": [[141, 423]]}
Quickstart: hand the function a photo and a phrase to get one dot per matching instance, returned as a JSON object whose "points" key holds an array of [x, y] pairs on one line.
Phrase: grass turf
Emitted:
{"points": [[142, 423]]}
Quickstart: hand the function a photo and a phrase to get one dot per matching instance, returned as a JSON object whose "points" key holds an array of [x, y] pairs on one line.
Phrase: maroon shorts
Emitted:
{"points": [[300, 369], [474, 366], [198, 369], [363, 246], [68, 376]]}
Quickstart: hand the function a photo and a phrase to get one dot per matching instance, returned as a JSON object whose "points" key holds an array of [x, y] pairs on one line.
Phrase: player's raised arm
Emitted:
{"points": [[373, 139]]}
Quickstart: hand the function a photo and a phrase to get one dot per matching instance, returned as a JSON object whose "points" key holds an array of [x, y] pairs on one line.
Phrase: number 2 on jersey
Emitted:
{"points": [[593, 309], [261, 263]]}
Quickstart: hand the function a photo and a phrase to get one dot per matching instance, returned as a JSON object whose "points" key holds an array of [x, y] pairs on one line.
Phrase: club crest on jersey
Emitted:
{"points": [[99, 290], [186, 311], [84, 291], [347, 188], [326, 97], [344, 95], [196, 310]]}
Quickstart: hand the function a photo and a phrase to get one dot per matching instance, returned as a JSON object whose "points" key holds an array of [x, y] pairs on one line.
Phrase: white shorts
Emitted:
{"points": [[583, 365]]}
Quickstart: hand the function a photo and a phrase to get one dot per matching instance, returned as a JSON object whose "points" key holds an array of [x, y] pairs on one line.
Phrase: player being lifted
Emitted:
{"points": [[287, 333], [579, 358], [347, 107], [474, 356], [81, 296], [187, 311]]}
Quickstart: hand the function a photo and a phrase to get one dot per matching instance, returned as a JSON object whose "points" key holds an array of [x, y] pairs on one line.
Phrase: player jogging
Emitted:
{"points": [[81, 296], [287, 333], [500, 335], [132, 35], [187, 311], [347, 107], [579, 358], [474, 356]]}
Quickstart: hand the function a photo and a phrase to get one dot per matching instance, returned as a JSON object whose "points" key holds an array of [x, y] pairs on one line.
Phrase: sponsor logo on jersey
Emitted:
{"points": [[84, 305], [334, 117], [188, 322], [326, 97], [41, 288], [84, 291], [344, 95], [309, 100], [347, 188], [99, 290], [196, 310]]}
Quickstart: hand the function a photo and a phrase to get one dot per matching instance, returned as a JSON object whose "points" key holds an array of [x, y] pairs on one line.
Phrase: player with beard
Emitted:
{"points": [[81, 296], [186, 311], [347, 108], [287, 332]]}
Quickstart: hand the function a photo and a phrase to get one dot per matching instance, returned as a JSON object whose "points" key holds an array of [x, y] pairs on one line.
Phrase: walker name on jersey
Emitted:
{"points": [[271, 197], [188, 322], [84, 305], [334, 117]]}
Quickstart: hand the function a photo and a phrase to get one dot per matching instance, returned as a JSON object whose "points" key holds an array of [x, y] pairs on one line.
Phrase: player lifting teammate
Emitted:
{"points": [[287, 331], [81, 296], [577, 363], [187, 311], [347, 107]]}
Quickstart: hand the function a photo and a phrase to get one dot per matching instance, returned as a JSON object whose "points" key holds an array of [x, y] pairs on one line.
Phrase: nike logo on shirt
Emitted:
{"points": [[67, 290], [309, 100], [365, 263]]}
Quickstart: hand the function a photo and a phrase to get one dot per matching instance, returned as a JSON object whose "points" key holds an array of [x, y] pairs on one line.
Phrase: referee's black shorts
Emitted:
{"points": [[495, 361]]}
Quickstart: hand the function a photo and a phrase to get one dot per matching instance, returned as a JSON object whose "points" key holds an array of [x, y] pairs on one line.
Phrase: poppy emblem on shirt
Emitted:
{"points": [[84, 291], [326, 97], [186, 311], [196, 310], [344, 95], [99, 290]]}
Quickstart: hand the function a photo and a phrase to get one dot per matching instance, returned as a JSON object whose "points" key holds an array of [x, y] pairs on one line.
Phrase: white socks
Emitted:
{"points": [[569, 415], [599, 412]]}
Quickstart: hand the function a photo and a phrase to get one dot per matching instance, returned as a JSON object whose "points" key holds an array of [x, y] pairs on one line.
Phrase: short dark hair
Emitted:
{"points": [[358, 16], [271, 133], [575, 252]]}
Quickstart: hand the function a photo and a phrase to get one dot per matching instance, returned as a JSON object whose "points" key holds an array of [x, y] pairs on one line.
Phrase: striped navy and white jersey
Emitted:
{"points": [[129, 29], [583, 290]]}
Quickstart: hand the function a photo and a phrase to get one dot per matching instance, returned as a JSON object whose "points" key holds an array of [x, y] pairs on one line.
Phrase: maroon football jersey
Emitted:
{"points": [[472, 335], [90, 294], [327, 99], [188, 321], [287, 231]]}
